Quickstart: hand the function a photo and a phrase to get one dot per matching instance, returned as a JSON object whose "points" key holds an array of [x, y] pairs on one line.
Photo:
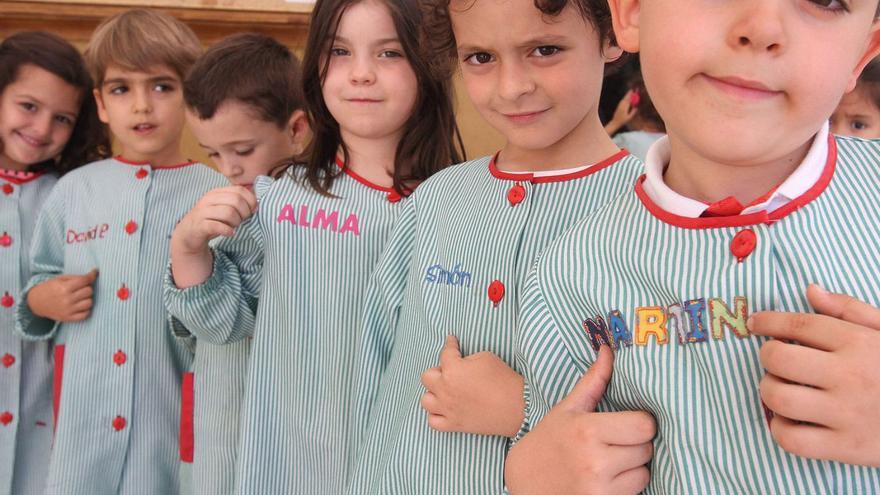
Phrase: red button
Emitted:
{"points": [[119, 358], [123, 293], [496, 292], [141, 173], [6, 418], [5, 240], [8, 360], [7, 301], [118, 423], [394, 197], [7, 189], [743, 244], [131, 227], [516, 194]]}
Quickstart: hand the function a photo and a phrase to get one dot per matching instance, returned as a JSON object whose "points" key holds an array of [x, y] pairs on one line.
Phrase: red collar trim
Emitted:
{"points": [[393, 195], [752, 218], [528, 177], [19, 177], [121, 159]]}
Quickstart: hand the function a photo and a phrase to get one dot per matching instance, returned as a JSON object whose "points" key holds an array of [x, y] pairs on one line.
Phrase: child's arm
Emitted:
{"points": [[824, 389], [217, 300], [477, 394], [624, 112], [63, 298]]}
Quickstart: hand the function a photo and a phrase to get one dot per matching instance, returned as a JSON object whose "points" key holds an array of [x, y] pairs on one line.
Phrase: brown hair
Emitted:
{"points": [[431, 140], [251, 68], [438, 26], [141, 38], [89, 140], [869, 82]]}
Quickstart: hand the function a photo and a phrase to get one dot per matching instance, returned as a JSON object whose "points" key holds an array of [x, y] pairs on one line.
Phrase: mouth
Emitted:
{"points": [[742, 88], [144, 128], [32, 142], [524, 117], [363, 100]]}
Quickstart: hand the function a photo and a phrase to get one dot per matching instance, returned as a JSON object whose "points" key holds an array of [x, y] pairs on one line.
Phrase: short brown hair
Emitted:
{"points": [[441, 39], [138, 39], [253, 69], [869, 82]]}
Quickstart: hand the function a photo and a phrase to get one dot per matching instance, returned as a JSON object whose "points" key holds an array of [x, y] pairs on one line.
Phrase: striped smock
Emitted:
{"points": [[672, 296], [455, 265], [307, 258], [118, 373], [25, 367]]}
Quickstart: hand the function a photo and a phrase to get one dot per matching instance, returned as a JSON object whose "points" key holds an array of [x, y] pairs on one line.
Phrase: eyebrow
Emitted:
{"points": [[549, 39], [152, 80], [382, 41], [231, 143]]}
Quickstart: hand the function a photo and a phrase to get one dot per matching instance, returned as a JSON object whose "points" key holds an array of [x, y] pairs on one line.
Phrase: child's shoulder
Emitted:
{"points": [[454, 176]]}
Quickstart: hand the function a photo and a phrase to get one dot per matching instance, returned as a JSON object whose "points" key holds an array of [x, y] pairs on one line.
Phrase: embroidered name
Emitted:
{"points": [[690, 321], [436, 274], [321, 220], [96, 232]]}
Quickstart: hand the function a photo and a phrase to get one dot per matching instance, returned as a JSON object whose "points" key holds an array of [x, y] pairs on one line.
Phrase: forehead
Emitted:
{"points": [[154, 72], [858, 102], [366, 20], [233, 122], [486, 23], [49, 89]]}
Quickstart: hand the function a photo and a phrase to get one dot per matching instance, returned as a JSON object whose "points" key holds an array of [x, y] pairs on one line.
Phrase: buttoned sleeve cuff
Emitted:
{"points": [[28, 325]]}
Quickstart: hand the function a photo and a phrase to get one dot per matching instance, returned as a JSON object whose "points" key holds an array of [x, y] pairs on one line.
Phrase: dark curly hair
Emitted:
{"points": [[89, 141]]}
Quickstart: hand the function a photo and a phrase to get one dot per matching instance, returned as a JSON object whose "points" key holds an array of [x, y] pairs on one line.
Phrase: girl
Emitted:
{"points": [[467, 238], [858, 113], [48, 126], [382, 121]]}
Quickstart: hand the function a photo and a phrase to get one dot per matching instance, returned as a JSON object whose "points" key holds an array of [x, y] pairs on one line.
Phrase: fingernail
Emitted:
{"points": [[820, 288], [749, 322]]}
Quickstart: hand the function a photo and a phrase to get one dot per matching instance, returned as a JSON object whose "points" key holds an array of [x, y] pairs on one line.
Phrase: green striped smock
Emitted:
{"points": [[672, 296], [307, 258], [118, 373], [466, 234], [25, 367]]}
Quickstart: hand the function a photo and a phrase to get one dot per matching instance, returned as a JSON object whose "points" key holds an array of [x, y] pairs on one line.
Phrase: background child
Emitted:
{"points": [[680, 266], [118, 411], [244, 103], [643, 124], [48, 125], [468, 236], [858, 113], [382, 123]]}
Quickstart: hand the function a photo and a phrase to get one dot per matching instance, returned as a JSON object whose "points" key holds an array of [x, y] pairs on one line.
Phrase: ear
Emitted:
{"points": [[611, 52], [299, 130], [99, 102], [872, 49], [625, 20]]}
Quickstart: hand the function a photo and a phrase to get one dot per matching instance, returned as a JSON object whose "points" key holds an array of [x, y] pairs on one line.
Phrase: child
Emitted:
{"points": [[118, 369], [48, 126], [468, 237], [644, 125], [858, 113], [677, 276], [244, 103], [382, 123]]}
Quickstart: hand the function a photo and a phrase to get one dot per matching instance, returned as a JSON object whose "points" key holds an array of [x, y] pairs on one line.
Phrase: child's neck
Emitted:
{"points": [[372, 159], [706, 180], [586, 144], [8, 164], [170, 155]]}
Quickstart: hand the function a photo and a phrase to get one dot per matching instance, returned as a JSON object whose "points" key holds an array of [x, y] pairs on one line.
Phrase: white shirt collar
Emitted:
{"points": [[800, 181]]}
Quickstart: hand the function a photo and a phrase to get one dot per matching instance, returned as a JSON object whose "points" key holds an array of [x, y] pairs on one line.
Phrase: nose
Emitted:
{"points": [[141, 101], [759, 26], [228, 167], [363, 70], [514, 81], [42, 125]]}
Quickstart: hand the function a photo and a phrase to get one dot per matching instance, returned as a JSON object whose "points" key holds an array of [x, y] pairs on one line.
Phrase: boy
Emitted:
{"points": [[244, 103], [118, 369], [681, 279]]}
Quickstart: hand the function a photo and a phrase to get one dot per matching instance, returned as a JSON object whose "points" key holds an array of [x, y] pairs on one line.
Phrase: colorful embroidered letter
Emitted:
{"points": [[619, 330], [651, 320], [598, 332], [723, 318], [696, 312]]}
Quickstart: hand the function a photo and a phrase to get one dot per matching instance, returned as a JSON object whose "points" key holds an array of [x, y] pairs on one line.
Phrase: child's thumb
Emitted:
{"points": [[588, 391], [92, 275], [843, 307]]}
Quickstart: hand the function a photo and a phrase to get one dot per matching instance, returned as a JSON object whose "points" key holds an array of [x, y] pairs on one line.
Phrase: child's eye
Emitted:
{"points": [[391, 54], [546, 51], [479, 58], [65, 120], [338, 52], [163, 88], [213, 155], [27, 106], [832, 5], [118, 90], [858, 125], [244, 152]]}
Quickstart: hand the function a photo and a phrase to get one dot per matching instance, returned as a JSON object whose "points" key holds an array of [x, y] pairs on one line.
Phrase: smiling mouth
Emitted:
{"points": [[143, 128], [524, 117], [742, 88], [363, 100], [34, 143]]}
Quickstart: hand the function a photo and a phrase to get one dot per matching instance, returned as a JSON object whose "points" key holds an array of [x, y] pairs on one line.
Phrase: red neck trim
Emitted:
{"points": [[121, 159], [752, 218], [528, 177], [393, 195], [19, 177]]}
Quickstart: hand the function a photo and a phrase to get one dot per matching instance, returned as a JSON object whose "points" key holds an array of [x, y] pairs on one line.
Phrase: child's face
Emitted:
{"points": [[242, 145], [534, 78], [856, 115], [745, 82], [370, 87], [37, 115], [145, 112]]}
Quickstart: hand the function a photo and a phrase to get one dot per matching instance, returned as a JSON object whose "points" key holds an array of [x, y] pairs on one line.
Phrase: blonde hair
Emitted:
{"points": [[141, 38]]}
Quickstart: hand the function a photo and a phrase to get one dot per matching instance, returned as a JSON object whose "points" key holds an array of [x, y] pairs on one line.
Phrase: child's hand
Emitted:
{"points": [[825, 389], [577, 451], [218, 213], [477, 394], [624, 113], [63, 298]]}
